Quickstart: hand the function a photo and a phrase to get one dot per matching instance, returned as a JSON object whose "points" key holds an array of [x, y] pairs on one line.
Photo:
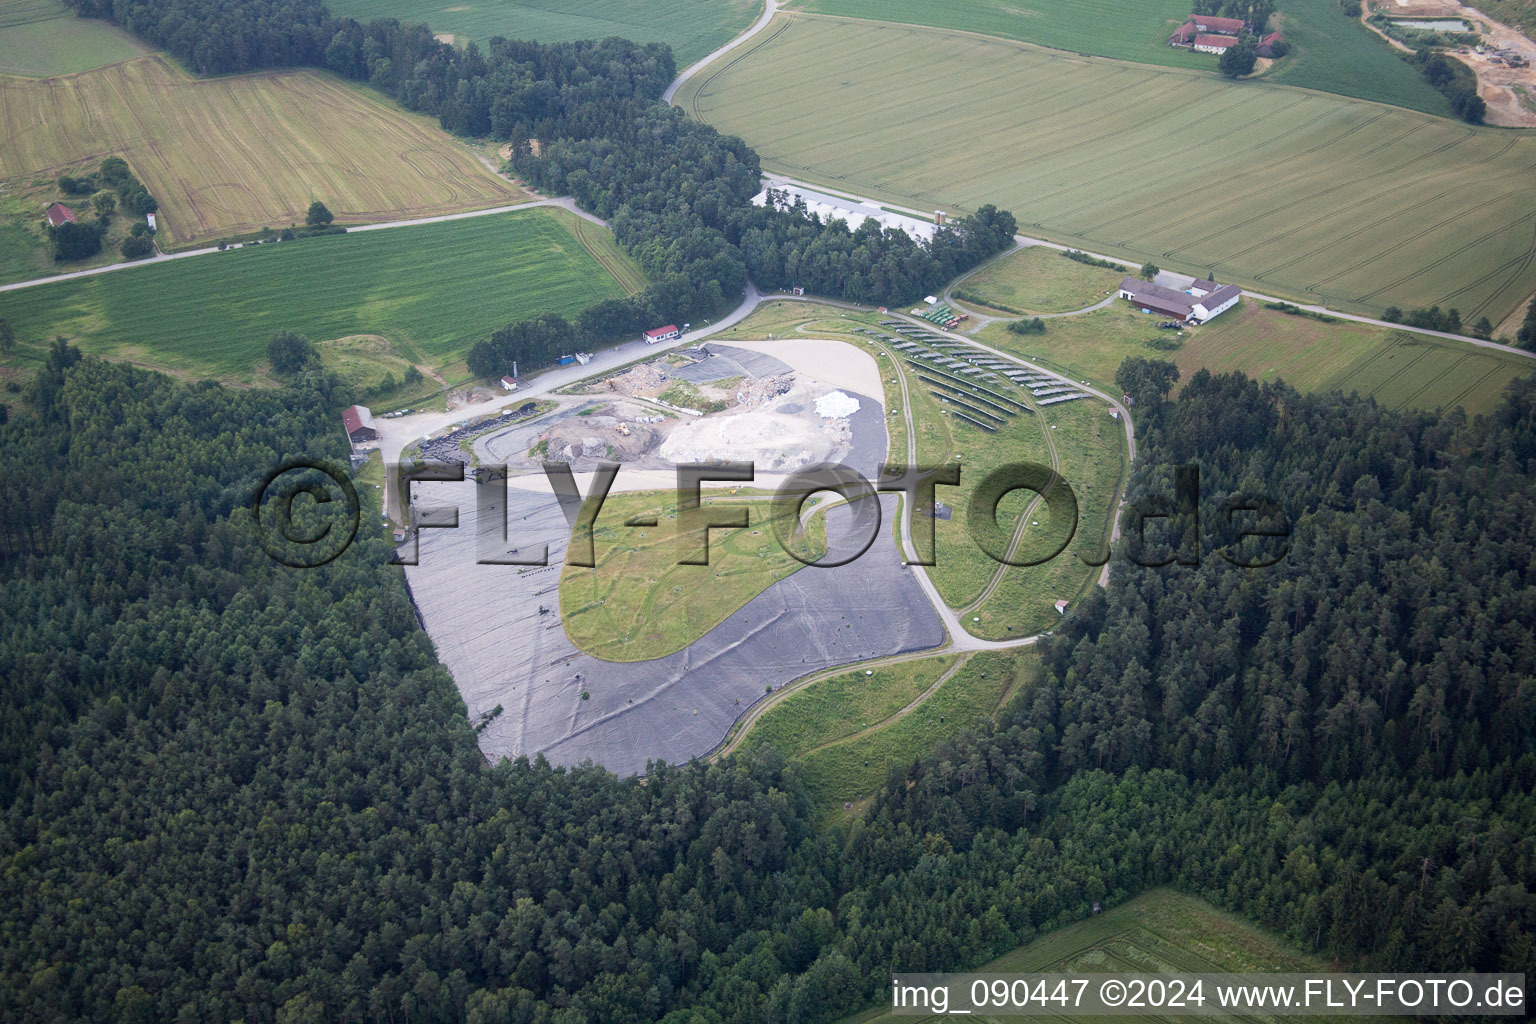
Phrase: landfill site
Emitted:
{"points": [[755, 408], [498, 629]]}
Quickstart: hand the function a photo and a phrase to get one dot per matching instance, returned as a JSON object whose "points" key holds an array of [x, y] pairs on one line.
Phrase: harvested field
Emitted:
{"points": [[230, 155], [1320, 198]]}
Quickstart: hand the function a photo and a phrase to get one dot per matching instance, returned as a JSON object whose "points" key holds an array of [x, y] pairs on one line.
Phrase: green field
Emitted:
{"points": [[1331, 52], [1092, 448], [638, 603], [834, 709], [1282, 190], [847, 770], [1336, 53], [1158, 932], [415, 286], [691, 27], [39, 38], [1040, 279], [1269, 345]]}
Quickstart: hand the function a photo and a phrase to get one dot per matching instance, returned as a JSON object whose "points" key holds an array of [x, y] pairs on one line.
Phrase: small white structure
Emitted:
{"points": [[583, 358], [666, 333], [509, 384], [852, 212], [150, 218]]}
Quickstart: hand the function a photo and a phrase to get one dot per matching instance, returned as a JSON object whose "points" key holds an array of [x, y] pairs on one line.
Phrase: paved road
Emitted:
{"points": [[770, 8]]}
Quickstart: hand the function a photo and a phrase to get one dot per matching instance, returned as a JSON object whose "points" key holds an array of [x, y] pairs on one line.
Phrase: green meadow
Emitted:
{"points": [[431, 290]]}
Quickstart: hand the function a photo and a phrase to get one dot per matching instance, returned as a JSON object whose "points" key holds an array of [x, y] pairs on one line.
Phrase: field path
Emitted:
{"points": [[912, 705], [738, 734], [770, 8]]}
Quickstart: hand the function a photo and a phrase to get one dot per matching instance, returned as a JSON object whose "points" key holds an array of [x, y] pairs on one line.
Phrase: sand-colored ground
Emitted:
{"points": [[833, 362], [1499, 84], [784, 435]]}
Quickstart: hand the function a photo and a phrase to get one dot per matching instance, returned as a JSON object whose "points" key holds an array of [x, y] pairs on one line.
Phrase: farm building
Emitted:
{"points": [[360, 427], [1214, 44], [852, 212], [1266, 47], [1199, 304], [666, 333], [509, 384], [1216, 303], [1222, 26], [58, 214]]}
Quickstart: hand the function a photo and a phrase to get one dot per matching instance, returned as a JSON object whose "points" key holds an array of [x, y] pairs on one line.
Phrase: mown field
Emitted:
{"points": [[231, 155], [691, 27], [1329, 53], [1040, 279], [1283, 190], [1269, 345], [212, 315], [638, 603], [1158, 932], [43, 37]]}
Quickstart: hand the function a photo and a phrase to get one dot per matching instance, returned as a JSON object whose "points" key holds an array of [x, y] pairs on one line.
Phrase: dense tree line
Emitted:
{"points": [[1432, 318], [237, 791], [1454, 80]]}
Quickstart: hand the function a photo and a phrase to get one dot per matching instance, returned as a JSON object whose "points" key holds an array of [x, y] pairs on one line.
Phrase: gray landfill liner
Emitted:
{"points": [[487, 625]]}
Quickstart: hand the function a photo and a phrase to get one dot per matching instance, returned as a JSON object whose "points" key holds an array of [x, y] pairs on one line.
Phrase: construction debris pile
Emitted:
{"points": [[449, 447], [619, 431], [757, 391]]}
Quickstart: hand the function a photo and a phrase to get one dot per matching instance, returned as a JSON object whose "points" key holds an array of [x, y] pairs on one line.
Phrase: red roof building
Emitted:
{"points": [[58, 214], [666, 333], [359, 423], [1214, 44], [1184, 36], [1223, 26], [1266, 47]]}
